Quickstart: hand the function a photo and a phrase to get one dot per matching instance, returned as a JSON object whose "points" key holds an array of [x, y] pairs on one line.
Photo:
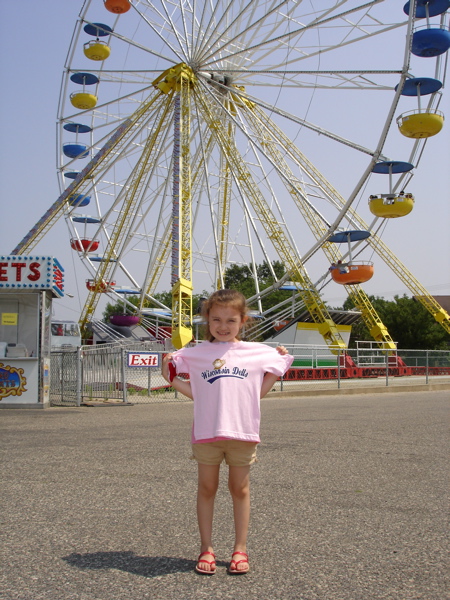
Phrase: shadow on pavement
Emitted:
{"points": [[146, 566]]}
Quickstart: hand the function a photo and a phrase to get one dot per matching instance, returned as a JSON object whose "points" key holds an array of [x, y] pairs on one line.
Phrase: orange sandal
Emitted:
{"points": [[212, 564], [233, 570]]}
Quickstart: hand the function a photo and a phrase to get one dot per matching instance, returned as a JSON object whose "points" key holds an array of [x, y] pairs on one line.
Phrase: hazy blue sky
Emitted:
{"points": [[34, 40]]}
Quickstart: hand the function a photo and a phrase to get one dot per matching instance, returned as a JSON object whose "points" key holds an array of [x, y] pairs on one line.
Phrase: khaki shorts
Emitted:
{"points": [[236, 453]]}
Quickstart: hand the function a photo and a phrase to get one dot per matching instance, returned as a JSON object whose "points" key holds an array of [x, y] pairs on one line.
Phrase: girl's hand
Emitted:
{"points": [[165, 367], [282, 350], [180, 385]]}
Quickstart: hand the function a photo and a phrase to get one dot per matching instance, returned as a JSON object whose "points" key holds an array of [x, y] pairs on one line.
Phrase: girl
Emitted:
{"points": [[227, 378]]}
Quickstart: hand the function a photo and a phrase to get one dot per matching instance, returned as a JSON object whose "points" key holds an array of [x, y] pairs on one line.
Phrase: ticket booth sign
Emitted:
{"points": [[31, 273], [28, 285]]}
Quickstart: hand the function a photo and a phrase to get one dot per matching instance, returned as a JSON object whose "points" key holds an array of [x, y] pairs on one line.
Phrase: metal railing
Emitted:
{"points": [[131, 371], [101, 374]]}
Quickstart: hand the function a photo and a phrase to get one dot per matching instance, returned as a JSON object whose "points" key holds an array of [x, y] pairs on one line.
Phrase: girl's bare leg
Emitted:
{"points": [[208, 482], [239, 485]]}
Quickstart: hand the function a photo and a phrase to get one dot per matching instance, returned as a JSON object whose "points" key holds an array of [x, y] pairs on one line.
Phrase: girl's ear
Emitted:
{"points": [[244, 319]]}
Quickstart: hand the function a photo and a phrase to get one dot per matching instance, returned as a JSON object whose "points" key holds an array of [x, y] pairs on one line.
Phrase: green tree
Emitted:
{"points": [[241, 278], [235, 274], [408, 322]]}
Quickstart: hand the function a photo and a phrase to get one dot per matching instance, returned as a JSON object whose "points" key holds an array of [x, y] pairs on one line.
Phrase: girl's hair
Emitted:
{"points": [[231, 298]]}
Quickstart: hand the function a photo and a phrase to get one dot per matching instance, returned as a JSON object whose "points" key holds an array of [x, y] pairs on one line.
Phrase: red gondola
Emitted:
{"points": [[103, 286], [84, 245]]}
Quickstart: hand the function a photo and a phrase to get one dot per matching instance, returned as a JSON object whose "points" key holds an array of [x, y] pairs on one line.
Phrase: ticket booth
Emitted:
{"points": [[28, 285]]}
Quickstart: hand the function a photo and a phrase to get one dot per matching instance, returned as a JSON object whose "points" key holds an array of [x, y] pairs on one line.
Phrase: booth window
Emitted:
{"points": [[57, 329], [19, 325]]}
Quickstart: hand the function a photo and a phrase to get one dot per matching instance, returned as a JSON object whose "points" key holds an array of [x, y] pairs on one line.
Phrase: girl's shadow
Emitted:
{"points": [[146, 566]]}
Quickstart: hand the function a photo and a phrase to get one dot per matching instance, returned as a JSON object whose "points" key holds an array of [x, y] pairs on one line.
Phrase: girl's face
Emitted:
{"points": [[225, 323]]}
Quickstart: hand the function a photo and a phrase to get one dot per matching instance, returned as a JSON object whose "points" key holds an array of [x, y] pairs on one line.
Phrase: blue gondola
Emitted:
{"points": [[79, 200], [84, 78], [393, 167], [85, 219], [73, 150], [434, 7], [77, 128], [430, 41], [97, 29], [420, 86]]}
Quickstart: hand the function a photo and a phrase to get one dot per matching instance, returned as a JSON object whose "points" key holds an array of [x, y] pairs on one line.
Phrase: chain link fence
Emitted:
{"points": [[131, 372], [65, 377], [108, 373]]}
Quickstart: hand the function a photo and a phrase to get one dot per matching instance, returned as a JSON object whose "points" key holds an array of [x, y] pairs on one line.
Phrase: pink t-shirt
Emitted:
{"points": [[226, 381]]}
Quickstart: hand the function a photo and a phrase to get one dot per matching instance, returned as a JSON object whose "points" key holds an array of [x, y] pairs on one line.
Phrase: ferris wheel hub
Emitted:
{"points": [[223, 79], [170, 79]]}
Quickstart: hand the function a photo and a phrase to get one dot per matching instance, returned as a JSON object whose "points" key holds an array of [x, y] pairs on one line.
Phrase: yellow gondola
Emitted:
{"points": [[417, 124], [83, 100], [96, 50], [390, 206]]}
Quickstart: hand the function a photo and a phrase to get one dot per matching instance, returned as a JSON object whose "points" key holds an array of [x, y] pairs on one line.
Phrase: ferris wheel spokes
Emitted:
{"points": [[127, 216], [292, 37], [232, 157], [274, 232]]}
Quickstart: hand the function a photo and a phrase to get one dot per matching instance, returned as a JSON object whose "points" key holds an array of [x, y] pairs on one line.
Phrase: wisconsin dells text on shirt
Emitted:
{"points": [[212, 376]]}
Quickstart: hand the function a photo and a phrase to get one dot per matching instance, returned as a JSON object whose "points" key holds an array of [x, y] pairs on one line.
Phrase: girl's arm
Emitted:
{"points": [[184, 387], [269, 378], [268, 381]]}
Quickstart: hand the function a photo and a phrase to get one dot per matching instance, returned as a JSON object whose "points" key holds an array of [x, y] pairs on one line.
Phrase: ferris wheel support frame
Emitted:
{"points": [[178, 81], [437, 311], [266, 130], [163, 248], [218, 50], [317, 309], [118, 236], [224, 213]]}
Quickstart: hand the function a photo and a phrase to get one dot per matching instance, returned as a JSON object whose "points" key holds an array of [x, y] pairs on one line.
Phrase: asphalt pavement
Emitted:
{"points": [[349, 502]]}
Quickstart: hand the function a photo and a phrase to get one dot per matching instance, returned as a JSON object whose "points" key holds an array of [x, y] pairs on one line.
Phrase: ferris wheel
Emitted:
{"points": [[198, 135]]}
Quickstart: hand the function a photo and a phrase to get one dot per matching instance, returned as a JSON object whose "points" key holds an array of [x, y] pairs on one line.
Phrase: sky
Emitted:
{"points": [[34, 41]]}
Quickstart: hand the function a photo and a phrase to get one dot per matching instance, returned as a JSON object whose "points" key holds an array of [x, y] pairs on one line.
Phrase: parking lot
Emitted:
{"points": [[349, 502]]}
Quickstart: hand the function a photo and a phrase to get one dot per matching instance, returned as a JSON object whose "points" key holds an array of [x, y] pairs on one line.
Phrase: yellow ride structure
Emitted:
{"points": [[197, 143]]}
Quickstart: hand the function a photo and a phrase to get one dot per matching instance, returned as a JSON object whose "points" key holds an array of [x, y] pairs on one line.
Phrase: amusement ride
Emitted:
{"points": [[191, 138]]}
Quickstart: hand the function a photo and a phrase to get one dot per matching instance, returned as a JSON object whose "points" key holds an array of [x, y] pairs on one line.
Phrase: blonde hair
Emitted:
{"points": [[225, 297]]}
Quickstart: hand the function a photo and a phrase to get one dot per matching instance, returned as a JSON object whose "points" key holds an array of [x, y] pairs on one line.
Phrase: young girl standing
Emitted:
{"points": [[227, 378]]}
